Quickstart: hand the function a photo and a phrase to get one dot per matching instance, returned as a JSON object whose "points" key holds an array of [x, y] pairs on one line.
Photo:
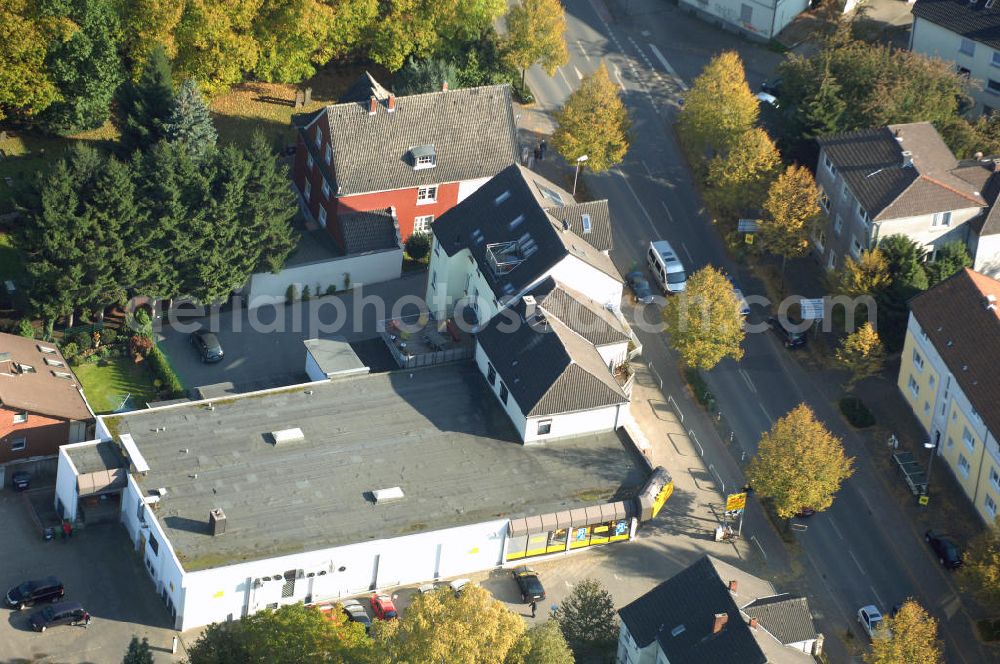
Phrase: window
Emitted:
{"points": [[585, 219], [322, 217], [503, 393], [951, 443], [863, 216], [964, 72], [821, 240], [995, 478], [20, 418], [544, 427], [838, 224], [968, 439], [942, 219], [308, 192], [831, 260], [927, 408], [326, 189], [824, 200], [425, 161], [968, 47], [918, 361], [855, 246], [830, 167], [309, 161], [422, 224], [63, 374], [976, 417], [914, 388], [996, 59], [845, 193], [550, 194], [45, 349], [288, 587], [329, 155], [963, 465], [54, 363], [154, 545], [993, 86], [18, 444], [427, 194], [26, 368], [491, 374], [746, 13], [991, 507], [930, 381]]}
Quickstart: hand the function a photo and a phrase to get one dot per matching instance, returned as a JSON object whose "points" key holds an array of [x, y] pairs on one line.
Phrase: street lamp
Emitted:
{"points": [[930, 464], [579, 164]]}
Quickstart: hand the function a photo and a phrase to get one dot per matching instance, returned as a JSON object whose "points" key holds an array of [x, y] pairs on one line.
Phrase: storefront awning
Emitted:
{"points": [[103, 481], [576, 518]]}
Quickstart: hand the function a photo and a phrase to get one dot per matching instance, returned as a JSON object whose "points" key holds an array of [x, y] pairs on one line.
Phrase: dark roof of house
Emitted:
{"points": [[599, 234], [966, 334], [30, 380], [580, 313], [374, 230], [362, 90], [872, 163], [680, 613], [785, 616], [988, 223], [511, 211], [971, 20], [471, 131], [547, 367]]}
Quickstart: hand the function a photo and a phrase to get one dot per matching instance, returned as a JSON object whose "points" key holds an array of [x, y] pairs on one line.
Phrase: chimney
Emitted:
{"points": [[391, 104], [907, 159], [732, 586], [529, 306], [217, 521], [978, 156], [444, 86], [372, 105], [753, 623], [996, 164], [720, 622]]}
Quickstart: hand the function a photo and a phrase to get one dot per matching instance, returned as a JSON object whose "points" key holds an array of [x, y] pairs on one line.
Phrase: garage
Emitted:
{"points": [[90, 493]]}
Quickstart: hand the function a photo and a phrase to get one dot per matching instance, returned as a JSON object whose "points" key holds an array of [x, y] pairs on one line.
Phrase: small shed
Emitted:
{"points": [[330, 359]]}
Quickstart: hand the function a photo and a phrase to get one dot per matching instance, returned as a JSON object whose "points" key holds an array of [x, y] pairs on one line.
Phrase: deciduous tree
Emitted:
{"points": [[419, 76], [792, 207], [545, 644], [588, 619], [799, 463], [215, 42], [868, 275], [980, 571], [740, 180], [593, 123], [905, 258], [535, 35], [418, 246], [26, 85], [143, 106], [703, 323], [148, 24], [910, 637], [719, 107], [138, 652], [189, 124], [861, 353]]}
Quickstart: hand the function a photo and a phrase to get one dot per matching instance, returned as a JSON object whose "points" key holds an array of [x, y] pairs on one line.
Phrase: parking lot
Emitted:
{"points": [[263, 347], [99, 570]]}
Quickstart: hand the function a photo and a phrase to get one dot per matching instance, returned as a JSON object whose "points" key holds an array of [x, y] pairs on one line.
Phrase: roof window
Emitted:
{"points": [[424, 156], [586, 222]]}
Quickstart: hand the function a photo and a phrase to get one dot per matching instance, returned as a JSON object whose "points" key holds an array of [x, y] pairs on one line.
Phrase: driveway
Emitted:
{"points": [[99, 571], [263, 347]]}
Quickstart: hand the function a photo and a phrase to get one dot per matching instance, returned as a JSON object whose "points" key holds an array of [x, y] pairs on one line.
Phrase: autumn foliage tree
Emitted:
{"points": [[740, 180], [719, 108], [980, 571], [704, 323], [799, 463], [909, 637], [593, 122], [792, 207], [535, 35], [868, 275], [861, 353]]}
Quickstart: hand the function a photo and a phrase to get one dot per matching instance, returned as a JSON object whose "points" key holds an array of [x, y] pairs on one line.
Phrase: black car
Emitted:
{"points": [[639, 284], [63, 613], [790, 338], [29, 593], [947, 553], [208, 346], [529, 584], [773, 87], [21, 480], [356, 613]]}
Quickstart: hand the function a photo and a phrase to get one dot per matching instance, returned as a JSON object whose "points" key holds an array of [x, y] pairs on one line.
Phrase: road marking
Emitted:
{"points": [[666, 65], [648, 172], [881, 604], [641, 206], [746, 377], [768, 416], [685, 248], [669, 216], [578, 74], [618, 76], [835, 528], [565, 80], [856, 561], [582, 50]]}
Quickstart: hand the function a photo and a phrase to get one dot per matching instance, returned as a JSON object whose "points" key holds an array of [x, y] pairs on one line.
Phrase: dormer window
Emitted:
{"points": [[423, 157]]}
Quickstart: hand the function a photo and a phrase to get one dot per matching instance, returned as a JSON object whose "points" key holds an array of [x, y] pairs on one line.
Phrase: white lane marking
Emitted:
{"points": [[648, 172], [877, 598], [685, 248], [835, 528], [746, 377], [768, 416], [565, 80], [666, 65], [856, 561], [641, 206], [578, 74], [582, 50], [618, 77], [669, 216]]}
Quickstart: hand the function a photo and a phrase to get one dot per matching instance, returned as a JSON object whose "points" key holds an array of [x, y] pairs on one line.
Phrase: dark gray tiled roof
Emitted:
{"points": [[369, 231], [871, 161], [363, 90], [485, 219], [691, 598], [547, 367], [583, 315], [785, 616], [472, 131], [599, 235], [972, 21], [988, 223]]}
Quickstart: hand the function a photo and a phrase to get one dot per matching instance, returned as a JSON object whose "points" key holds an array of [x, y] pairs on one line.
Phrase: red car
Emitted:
{"points": [[383, 608]]}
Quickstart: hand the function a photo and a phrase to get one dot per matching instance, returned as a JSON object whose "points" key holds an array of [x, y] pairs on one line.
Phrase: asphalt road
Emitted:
{"points": [[861, 551]]}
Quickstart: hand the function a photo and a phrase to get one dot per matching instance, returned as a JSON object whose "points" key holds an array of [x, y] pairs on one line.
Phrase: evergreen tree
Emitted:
{"points": [[189, 123], [822, 112], [269, 206], [419, 76], [138, 652], [118, 219], [949, 259], [905, 259], [588, 620], [145, 105], [163, 244]]}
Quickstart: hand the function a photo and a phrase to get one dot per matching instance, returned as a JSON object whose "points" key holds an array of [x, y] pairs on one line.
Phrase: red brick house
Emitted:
{"points": [[417, 155], [41, 404]]}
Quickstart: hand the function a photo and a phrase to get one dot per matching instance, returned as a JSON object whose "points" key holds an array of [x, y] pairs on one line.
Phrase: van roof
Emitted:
{"points": [[666, 252]]}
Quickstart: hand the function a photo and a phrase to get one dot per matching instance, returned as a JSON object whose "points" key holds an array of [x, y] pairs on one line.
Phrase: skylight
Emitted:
{"points": [[551, 195], [516, 222], [586, 222], [502, 197]]}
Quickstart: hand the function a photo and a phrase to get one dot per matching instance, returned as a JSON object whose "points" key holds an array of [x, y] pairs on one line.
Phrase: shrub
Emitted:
{"points": [[291, 293], [25, 328], [856, 412], [70, 350], [140, 346], [522, 93], [418, 246], [84, 341], [306, 293], [331, 290], [698, 386], [165, 373], [109, 336], [347, 281]]}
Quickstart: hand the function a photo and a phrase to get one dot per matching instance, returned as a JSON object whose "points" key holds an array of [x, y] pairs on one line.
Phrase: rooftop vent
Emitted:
{"points": [[217, 521], [286, 436], [387, 495], [160, 492], [720, 622], [907, 159], [677, 631]]}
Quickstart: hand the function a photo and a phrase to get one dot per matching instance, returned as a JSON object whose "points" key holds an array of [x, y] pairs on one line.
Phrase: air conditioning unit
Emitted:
{"points": [[286, 436]]}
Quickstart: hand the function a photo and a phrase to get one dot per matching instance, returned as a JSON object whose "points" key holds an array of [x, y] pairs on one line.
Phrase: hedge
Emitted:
{"points": [[856, 412], [169, 381]]}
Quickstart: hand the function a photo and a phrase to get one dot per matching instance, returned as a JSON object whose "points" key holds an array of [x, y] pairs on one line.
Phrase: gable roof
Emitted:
{"points": [[599, 216], [970, 20], [785, 616], [871, 161], [581, 314], [369, 231], [472, 132], [966, 334], [547, 367], [29, 382], [509, 212]]}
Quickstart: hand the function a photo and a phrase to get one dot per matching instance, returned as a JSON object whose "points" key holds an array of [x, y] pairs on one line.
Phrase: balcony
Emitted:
{"points": [[417, 341]]}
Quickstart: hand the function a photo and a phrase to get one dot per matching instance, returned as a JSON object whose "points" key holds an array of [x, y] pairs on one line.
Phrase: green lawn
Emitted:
{"points": [[106, 386], [11, 264]]}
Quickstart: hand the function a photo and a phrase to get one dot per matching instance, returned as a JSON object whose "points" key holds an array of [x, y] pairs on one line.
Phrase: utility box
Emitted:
{"points": [[217, 521]]}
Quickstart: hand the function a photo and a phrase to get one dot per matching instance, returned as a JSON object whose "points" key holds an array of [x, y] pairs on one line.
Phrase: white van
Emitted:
{"points": [[666, 267]]}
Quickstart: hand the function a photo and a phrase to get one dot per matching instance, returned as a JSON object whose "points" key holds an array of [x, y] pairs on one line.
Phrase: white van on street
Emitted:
{"points": [[666, 267]]}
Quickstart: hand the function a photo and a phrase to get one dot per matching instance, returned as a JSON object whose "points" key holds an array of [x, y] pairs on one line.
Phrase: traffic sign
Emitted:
{"points": [[923, 500], [736, 502]]}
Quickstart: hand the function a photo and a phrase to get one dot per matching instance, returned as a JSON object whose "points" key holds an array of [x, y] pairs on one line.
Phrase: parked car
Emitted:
{"points": [[773, 87], [947, 553], [356, 613], [21, 480], [528, 583], [767, 98], [208, 346], [383, 608], [639, 284], [63, 613], [29, 593], [790, 338], [805, 512], [870, 618], [458, 585]]}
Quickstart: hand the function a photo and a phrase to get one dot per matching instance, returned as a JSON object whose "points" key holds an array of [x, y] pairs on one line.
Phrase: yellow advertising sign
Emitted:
{"points": [[665, 492], [736, 502]]}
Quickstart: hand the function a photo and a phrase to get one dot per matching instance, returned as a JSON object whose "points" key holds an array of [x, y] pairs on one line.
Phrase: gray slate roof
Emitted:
{"points": [[472, 131], [599, 235], [485, 219], [374, 230], [972, 21], [580, 313], [785, 616], [547, 367], [871, 161]]}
